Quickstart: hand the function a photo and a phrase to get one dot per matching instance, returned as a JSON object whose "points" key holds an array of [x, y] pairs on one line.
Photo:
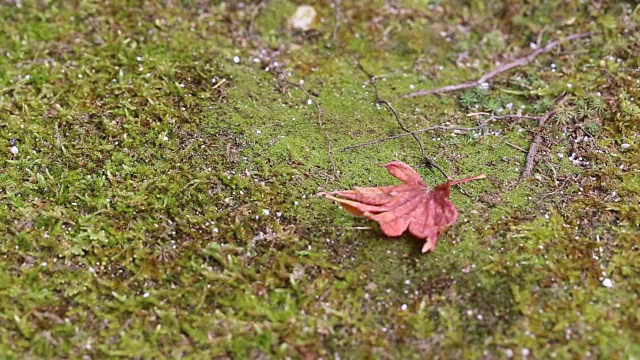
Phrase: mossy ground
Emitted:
{"points": [[162, 200]]}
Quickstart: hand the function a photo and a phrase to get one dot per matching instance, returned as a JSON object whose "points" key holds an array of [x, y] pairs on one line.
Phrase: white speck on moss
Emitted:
{"points": [[236, 59], [403, 307], [508, 353], [14, 150], [607, 283]]}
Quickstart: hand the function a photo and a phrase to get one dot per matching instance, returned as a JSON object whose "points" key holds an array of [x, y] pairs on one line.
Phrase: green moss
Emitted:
{"points": [[162, 202]]}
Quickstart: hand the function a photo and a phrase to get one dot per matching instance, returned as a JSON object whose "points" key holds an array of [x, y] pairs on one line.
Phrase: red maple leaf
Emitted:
{"points": [[425, 212]]}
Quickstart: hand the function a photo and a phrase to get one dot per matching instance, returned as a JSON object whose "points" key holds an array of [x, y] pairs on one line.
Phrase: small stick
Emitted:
{"points": [[372, 80], [59, 138], [553, 169], [220, 83], [410, 133], [522, 61], [338, 17], [256, 11], [515, 146], [320, 125], [478, 177], [441, 127], [533, 149]]}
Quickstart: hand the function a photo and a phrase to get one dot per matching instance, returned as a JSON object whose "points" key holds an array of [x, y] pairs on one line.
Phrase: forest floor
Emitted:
{"points": [[160, 165]]}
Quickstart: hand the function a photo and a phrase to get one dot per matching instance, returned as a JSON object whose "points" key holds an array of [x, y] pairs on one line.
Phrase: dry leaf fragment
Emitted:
{"points": [[412, 205]]}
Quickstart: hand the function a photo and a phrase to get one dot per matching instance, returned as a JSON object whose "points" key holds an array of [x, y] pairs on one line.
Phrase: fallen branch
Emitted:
{"points": [[522, 61]]}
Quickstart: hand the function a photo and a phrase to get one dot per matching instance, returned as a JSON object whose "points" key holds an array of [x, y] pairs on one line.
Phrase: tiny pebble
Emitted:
{"points": [[607, 283], [236, 59], [624, 146], [14, 150]]}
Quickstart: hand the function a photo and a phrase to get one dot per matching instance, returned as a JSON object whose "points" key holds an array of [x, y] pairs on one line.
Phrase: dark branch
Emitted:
{"points": [[522, 61]]}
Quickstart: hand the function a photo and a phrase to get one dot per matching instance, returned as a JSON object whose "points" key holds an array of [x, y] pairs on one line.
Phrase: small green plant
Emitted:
{"points": [[473, 99], [565, 113], [542, 106]]}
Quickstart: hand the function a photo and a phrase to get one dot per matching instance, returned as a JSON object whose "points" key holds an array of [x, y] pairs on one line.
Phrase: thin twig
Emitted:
{"points": [[533, 149], [441, 127], [254, 15], [410, 133], [320, 125], [220, 83], [553, 169], [535, 144], [515, 146], [522, 61], [59, 138], [338, 19], [500, 117], [429, 162]]}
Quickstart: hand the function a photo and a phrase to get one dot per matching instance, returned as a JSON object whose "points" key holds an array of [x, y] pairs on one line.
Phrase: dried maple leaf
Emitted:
{"points": [[425, 212]]}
